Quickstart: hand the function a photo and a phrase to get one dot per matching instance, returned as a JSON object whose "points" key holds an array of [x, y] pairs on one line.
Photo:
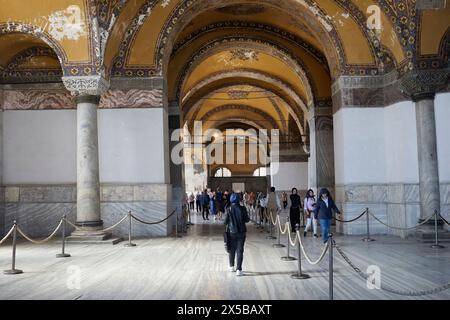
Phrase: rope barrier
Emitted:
{"points": [[99, 231], [351, 220], [443, 219], [310, 261], [43, 240], [287, 228], [387, 289], [399, 228], [7, 235], [156, 222]]}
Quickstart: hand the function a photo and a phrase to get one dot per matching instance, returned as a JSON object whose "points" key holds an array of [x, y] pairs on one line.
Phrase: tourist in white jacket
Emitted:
{"points": [[309, 204]]}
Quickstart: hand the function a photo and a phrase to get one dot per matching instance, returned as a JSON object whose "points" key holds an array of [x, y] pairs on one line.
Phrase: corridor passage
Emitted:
{"points": [[195, 267]]}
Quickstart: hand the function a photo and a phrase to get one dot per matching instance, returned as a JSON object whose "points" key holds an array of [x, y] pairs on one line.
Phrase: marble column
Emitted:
{"points": [[322, 152], [427, 154], [2, 190], [88, 183]]}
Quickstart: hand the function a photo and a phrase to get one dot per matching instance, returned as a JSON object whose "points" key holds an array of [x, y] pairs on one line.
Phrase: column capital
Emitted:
{"points": [[423, 84], [86, 85]]}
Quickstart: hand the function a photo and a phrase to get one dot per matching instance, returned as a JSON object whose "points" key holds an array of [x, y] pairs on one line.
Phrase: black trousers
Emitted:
{"points": [[237, 249], [191, 205], [294, 217], [198, 206], [205, 211]]}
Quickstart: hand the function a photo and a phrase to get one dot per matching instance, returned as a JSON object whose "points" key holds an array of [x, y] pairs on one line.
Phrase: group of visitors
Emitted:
{"points": [[210, 202], [237, 205]]}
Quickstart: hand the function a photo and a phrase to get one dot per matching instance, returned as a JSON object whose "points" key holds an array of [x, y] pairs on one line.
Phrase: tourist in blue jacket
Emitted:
{"points": [[323, 212]]}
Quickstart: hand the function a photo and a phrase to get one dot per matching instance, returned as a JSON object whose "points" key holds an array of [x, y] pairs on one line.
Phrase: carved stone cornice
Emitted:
{"points": [[364, 82], [86, 85], [424, 84]]}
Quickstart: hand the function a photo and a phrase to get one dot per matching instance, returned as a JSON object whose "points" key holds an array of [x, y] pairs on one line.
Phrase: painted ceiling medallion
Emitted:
{"points": [[242, 10]]}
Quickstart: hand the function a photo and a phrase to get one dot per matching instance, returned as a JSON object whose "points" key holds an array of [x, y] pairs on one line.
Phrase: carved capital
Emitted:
{"points": [[86, 85], [423, 84]]}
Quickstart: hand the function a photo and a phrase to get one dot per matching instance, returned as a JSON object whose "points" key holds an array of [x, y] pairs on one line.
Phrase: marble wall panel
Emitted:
{"points": [[38, 209], [445, 193]]}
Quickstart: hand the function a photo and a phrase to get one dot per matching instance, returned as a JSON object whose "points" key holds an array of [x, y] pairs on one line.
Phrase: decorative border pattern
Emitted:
{"points": [[60, 99], [233, 25]]}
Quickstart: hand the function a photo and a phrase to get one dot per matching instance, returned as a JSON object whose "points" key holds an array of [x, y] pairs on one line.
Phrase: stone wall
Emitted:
{"points": [[397, 205], [38, 208]]}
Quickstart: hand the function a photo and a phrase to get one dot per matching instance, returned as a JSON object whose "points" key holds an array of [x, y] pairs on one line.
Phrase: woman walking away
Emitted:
{"points": [[323, 212], [294, 213], [235, 221], [219, 203], [212, 204], [284, 199], [198, 202], [310, 203], [191, 201]]}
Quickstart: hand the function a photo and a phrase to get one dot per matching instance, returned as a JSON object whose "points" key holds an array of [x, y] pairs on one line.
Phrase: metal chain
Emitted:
{"points": [[398, 228], [387, 289]]}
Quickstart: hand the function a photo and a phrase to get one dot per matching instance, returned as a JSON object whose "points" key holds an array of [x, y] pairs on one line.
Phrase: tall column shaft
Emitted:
{"points": [[427, 155], [323, 153], [88, 182]]}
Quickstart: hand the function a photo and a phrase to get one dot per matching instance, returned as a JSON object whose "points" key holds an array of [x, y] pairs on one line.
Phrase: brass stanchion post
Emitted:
{"points": [[288, 257], [299, 274], [63, 240], [13, 269]]}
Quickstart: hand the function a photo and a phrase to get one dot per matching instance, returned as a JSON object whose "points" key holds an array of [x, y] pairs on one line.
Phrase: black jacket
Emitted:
{"points": [[321, 210], [204, 199], [236, 219]]}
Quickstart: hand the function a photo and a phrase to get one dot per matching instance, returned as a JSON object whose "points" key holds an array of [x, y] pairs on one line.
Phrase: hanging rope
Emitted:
{"points": [[443, 219], [156, 222], [43, 240], [7, 235], [351, 220], [399, 228]]}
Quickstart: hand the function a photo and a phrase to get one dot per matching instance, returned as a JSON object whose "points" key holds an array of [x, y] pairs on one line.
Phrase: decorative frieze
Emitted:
{"points": [[37, 100], [57, 99], [132, 99], [420, 84]]}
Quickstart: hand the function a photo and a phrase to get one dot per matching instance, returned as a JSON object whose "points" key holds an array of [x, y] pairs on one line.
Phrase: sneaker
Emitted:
{"points": [[239, 273], [304, 234], [315, 236], [232, 269]]}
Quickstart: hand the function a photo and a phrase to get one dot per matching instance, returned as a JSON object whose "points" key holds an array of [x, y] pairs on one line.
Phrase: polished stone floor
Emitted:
{"points": [[195, 267]]}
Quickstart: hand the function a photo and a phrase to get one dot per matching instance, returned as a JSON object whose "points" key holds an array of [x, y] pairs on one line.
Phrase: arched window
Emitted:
{"points": [[260, 172], [222, 172]]}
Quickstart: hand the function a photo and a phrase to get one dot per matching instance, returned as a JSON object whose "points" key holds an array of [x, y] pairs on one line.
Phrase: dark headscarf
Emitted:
{"points": [[325, 191]]}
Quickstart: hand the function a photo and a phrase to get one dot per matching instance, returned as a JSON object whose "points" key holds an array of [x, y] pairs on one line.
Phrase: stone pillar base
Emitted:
{"points": [[92, 236]]}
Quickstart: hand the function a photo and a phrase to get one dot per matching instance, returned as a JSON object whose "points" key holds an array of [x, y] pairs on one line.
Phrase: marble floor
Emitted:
{"points": [[195, 267]]}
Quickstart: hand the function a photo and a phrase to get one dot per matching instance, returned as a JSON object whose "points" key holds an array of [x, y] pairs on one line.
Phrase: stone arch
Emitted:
{"points": [[186, 11], [220, 44], [36, 32]]}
